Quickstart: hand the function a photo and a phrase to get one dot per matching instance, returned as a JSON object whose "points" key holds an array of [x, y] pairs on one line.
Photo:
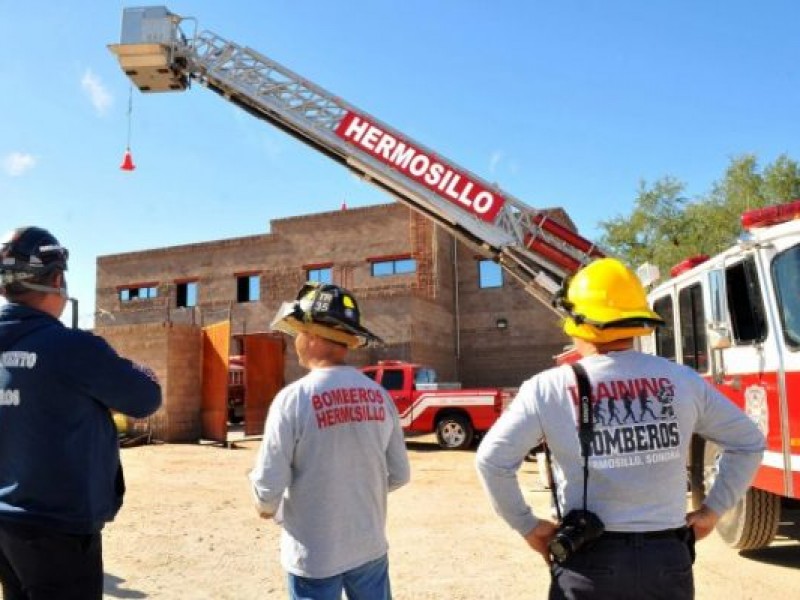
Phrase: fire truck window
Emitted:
{"points": [[392, 380], [746, 309], [693, 328], [786, 274], [370, 374], [665, 334]]}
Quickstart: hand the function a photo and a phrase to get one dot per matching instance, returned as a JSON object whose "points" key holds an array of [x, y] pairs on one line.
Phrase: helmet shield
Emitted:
{"points": [[27, 255], [325, 310]]}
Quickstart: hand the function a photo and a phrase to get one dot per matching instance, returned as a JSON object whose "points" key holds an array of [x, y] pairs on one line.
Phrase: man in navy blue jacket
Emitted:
{"points": [[60, 473]]}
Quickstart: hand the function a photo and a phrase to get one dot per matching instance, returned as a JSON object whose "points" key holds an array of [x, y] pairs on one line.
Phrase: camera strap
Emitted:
{"points": [[585, 432]]}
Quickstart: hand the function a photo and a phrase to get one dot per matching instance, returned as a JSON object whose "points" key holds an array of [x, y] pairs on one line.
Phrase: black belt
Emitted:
{"points": [[679, 533]]}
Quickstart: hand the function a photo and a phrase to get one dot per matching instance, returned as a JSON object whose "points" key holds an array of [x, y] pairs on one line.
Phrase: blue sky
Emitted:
{"points": [[569, 103]]}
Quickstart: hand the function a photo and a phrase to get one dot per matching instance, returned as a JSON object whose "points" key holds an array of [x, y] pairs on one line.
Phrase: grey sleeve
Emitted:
{"points": [[272, 472], [742, 445], [499, 458], [397, 466]]}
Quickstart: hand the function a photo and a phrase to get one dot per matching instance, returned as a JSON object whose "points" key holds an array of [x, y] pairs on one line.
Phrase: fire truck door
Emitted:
{"points": [[393, 381]]}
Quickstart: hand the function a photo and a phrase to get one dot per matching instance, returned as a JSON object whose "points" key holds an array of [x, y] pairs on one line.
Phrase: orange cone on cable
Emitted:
{"points": [[127, 161]]}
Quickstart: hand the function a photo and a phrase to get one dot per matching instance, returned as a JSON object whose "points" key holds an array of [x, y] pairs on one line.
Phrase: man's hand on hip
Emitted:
{"points": [[539, 537], [702, 521]]}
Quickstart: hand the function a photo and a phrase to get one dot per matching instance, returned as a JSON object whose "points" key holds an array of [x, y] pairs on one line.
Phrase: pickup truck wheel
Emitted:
{"points": [[753, 521], [454, 432]]}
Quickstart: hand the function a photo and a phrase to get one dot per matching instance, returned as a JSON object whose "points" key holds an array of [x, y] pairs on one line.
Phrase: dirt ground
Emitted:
{"points": [[188, 531]]}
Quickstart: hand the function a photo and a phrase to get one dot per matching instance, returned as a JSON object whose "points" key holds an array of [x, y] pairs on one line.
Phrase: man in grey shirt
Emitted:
{"points": [[636, 483], [332, 450]]}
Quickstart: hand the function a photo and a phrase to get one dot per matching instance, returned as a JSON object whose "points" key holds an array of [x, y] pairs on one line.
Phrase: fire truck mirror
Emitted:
{"points": [[719, 337]]}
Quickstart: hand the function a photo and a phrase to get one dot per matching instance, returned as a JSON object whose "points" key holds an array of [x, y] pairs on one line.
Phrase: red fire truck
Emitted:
{"points": [[730, 317], [735, 318], [427, 405]]}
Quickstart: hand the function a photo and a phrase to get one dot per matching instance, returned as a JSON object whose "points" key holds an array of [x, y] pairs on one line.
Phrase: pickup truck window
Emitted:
{"points": [[424, 376], [392, 379]]}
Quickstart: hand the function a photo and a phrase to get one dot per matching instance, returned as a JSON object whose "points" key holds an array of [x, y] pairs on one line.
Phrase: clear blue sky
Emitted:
{"points": [[569, 103]]}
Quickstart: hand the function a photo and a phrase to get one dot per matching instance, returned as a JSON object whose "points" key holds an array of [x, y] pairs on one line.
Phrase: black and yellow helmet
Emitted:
{"points": [[328, 311], [28, 255]]}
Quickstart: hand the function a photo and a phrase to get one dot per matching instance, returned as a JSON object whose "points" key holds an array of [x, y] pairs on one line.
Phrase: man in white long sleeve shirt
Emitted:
{"points": [[636, 467], [332, 450]]}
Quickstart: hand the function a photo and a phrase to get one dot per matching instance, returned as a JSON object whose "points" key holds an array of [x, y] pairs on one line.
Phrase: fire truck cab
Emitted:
{"points": [[735, 319]]}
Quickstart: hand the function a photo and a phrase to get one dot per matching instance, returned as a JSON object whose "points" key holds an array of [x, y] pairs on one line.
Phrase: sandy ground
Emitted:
{"points": [[188, 531]]}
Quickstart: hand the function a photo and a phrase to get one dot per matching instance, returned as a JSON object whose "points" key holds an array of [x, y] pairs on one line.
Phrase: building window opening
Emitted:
{"points": [[186, 294], [401, 266], [248, 288], [138, 293], [320, 274], [490, 274]]}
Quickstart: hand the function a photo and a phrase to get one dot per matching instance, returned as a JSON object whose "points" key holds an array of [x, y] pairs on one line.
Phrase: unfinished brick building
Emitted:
{"points": [[432, 299]]}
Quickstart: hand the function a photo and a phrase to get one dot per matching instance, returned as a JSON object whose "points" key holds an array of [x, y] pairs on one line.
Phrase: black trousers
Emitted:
{"points": [[39, 564], [631, 567]]}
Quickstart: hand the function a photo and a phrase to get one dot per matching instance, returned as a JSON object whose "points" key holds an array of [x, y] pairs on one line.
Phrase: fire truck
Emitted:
{"points": [[735, 319], [728, 317]]}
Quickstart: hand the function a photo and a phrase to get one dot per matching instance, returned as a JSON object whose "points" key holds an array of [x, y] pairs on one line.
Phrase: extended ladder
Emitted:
{"points": [[535, 249]]}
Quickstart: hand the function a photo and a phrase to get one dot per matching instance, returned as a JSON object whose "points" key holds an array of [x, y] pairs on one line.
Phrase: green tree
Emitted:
{"points": [[664, 227], [654, 231], [782, 180]]}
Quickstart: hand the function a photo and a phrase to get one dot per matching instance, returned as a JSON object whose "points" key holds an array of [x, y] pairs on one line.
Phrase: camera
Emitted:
{"points": [[578, 528]]}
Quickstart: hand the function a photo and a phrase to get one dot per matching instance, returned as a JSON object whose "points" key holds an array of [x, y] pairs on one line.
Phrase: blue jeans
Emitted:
{"points": [[369, 581]]}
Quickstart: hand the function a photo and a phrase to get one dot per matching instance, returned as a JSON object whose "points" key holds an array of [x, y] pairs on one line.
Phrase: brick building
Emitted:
{"points": [[432, 299]]}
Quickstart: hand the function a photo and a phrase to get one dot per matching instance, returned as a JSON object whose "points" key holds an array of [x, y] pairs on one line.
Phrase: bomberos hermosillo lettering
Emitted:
{"points": [[429, 171]]}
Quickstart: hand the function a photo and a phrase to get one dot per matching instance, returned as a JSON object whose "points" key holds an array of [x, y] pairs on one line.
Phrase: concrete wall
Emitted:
{"points": [[173, 351]]}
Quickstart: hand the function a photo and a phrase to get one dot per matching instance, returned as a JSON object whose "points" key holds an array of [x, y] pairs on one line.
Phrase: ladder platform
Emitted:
{"points": [[150, 67]]}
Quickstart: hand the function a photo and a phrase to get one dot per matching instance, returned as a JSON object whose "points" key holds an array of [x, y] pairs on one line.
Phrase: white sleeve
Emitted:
{"points": [[272, 472], [742, 444], [399, 471], [499, 458]]}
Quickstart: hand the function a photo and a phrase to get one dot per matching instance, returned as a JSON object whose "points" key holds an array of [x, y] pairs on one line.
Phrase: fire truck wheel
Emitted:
{"points": [[753, 522], [454, 432]]}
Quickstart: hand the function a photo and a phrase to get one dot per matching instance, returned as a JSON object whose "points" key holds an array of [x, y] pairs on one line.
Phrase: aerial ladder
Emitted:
{"points": [[539, 252]]}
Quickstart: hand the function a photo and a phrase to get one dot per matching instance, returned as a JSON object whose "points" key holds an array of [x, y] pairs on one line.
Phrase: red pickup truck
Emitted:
{"points": [[427, 406]]}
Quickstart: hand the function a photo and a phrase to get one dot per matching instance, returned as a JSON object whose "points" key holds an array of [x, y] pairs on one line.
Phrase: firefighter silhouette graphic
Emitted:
{"points": [[598, 413], [612, 411], [627, 401], [665, 398], [644, 404]]}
